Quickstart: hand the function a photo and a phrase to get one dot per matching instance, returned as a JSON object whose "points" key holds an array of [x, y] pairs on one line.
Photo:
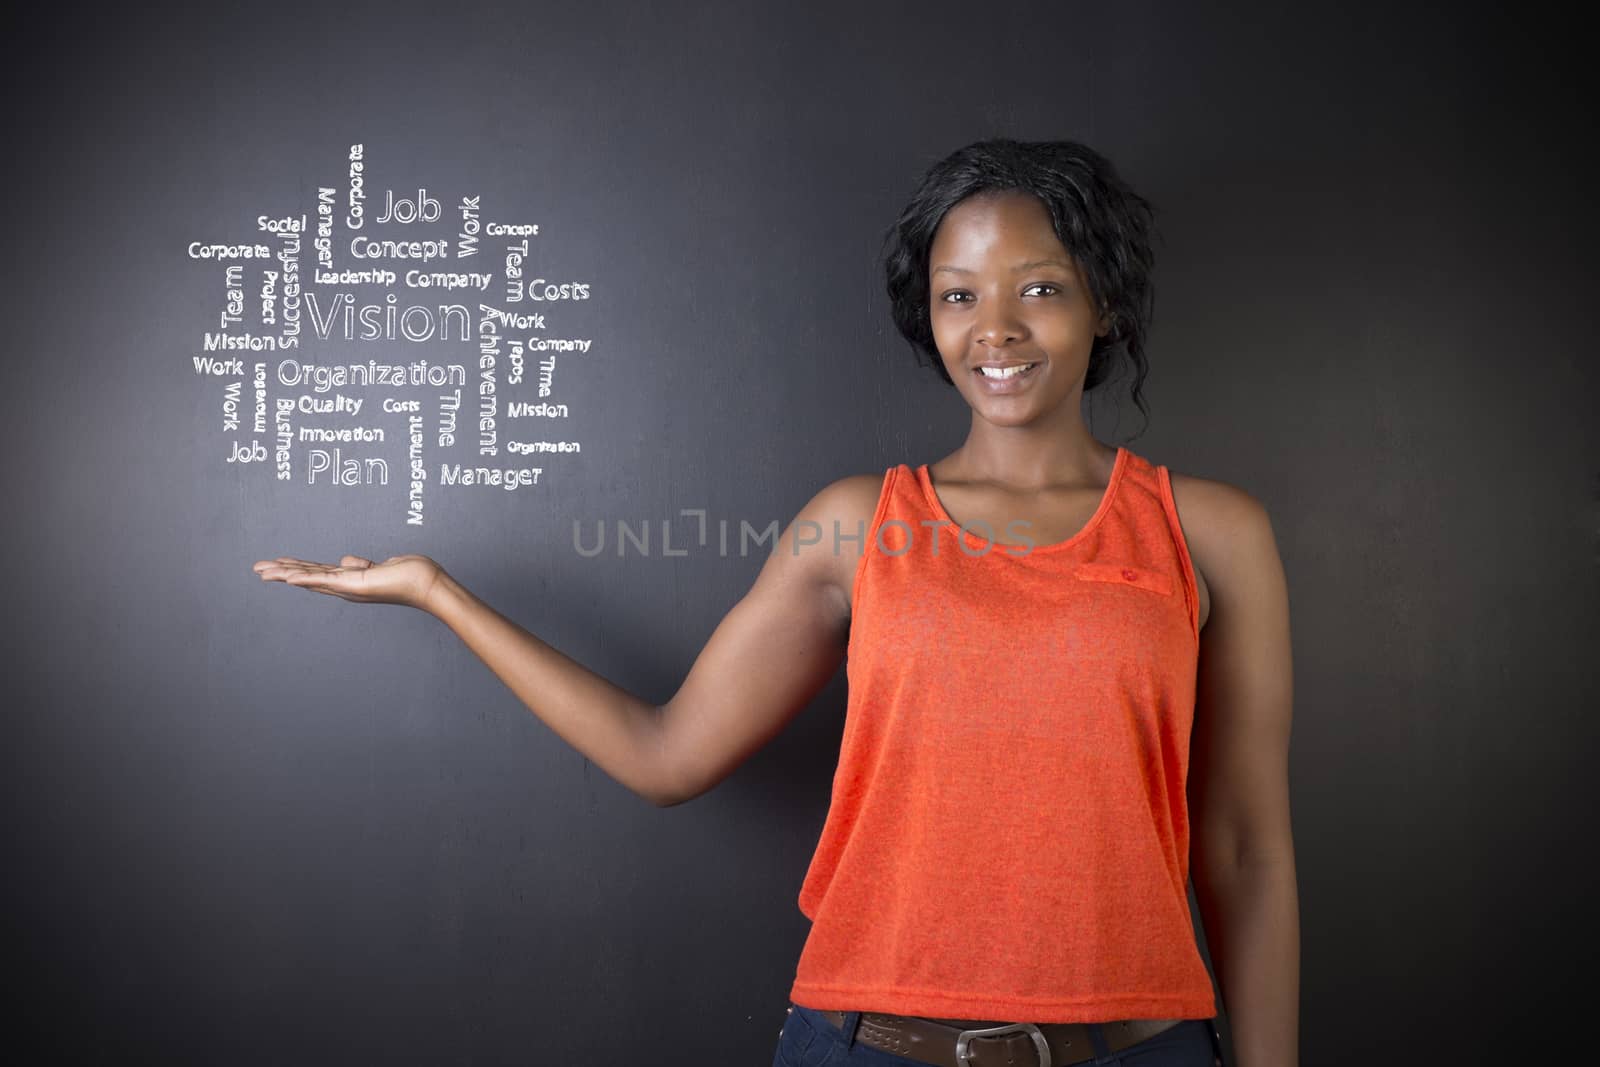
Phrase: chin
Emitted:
{"points": [[1009, 420]]}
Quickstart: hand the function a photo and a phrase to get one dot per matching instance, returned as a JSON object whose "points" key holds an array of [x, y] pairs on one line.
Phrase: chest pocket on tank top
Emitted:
{"points": [[1158, 582]]}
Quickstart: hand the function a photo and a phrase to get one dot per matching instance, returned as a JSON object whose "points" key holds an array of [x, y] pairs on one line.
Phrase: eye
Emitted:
{"points": [[1045, 285], [954, 292]]}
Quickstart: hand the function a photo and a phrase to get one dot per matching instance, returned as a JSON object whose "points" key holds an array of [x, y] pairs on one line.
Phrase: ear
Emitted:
{"points": [[1103, 327]]}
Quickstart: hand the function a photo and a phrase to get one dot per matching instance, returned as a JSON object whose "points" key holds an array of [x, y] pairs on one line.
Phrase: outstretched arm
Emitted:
{"points": [[769, 656]]}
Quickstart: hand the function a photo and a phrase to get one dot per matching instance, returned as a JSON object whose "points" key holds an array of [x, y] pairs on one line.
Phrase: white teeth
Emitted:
{"points": [[1008, 372]]}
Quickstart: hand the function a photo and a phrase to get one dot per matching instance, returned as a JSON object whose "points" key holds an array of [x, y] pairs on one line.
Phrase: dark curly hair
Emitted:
{"points": [[1104, 224]]}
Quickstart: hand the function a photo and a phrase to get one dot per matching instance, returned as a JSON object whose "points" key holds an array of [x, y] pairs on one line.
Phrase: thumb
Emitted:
{"points": [[355, 561]]}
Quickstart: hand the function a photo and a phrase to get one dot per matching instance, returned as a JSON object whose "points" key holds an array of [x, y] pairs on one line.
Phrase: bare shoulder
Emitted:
{"points": [[845, 511], [1216, 507], [1228, 531], [834, 526], [855, 491]]}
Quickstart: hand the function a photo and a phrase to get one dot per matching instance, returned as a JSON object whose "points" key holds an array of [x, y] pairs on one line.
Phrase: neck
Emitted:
{"points": [[1030, 456]]}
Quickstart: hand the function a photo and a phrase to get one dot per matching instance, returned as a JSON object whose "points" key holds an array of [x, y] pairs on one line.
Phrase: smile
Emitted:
{"points": [[1005, 373]]}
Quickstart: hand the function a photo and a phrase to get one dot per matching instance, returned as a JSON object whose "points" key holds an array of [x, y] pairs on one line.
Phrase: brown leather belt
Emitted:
{"points": [[974, 1043]]}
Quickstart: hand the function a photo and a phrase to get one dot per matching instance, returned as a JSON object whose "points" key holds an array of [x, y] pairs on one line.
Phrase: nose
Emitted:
{"points": [[998, 325]]}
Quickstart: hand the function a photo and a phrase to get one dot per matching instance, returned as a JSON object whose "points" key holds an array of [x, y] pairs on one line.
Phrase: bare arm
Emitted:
{"points": [[1238, 791], [775, 649]]}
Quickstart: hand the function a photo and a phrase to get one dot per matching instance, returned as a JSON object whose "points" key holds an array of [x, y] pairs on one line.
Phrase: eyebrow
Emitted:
{"points": [[1019, 266]]}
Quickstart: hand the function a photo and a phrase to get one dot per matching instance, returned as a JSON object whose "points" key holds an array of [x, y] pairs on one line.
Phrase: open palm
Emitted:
{"points": [[404, 580]]}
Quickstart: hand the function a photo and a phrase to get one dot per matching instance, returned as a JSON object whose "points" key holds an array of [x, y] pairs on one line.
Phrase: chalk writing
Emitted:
{"points": [[366, 299]]}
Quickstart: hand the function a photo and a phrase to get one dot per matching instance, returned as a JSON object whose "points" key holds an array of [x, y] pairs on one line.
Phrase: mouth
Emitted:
{"points": [[1003, 371], [1004, 377]]}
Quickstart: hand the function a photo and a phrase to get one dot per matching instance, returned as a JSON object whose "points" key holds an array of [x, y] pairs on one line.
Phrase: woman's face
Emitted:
{"points": [[1003, 290]]}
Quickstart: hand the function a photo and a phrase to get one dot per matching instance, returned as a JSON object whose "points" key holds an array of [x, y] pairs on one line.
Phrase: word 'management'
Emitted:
{"points": [[385, 341]]}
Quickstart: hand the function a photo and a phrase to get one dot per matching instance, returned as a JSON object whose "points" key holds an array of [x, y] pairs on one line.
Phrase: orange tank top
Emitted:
{"points": [[1008, 834]]}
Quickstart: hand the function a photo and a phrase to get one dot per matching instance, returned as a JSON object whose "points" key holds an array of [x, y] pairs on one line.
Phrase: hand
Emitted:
{"points": [[404, 580]]}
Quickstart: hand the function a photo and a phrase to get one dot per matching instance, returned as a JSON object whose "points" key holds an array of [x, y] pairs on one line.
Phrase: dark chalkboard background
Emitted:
{"points": [[247, 824]]}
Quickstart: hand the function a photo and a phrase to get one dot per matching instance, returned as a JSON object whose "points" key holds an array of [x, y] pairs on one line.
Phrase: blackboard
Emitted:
{"points": [[249, 825]]}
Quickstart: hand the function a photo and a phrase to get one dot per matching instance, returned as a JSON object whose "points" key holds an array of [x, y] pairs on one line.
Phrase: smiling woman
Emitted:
{"points": [[1011, 313], [1035, 735], [1066, 221]]}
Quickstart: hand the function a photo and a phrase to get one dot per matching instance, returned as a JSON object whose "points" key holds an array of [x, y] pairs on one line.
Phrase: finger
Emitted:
{"points": [[344, 584], [278, 571], [334, 576], [315, 568], [290, 561]]}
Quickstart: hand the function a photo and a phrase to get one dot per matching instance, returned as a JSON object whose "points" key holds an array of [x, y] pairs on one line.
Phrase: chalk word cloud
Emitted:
{"points": [[398, 341]]}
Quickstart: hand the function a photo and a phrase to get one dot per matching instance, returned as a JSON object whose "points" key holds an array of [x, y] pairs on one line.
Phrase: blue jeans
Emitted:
{"points": [[810, 1040]]}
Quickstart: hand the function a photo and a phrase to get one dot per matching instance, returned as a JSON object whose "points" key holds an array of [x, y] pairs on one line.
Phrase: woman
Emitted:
{"points": [[1038, 713]]}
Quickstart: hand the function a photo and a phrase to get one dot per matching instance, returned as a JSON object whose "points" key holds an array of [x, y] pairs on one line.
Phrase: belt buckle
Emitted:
{"points": [[998, 1031]]}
